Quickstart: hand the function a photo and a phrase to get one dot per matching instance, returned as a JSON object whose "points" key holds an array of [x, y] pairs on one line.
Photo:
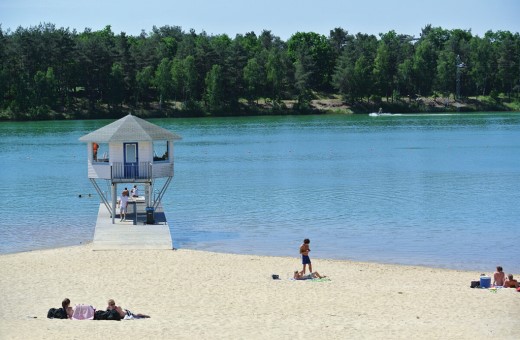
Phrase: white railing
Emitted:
{"points": [[122, 171]]}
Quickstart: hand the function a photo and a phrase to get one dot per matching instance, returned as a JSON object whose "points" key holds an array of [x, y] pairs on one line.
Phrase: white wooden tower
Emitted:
{"points": [[130, 151]]}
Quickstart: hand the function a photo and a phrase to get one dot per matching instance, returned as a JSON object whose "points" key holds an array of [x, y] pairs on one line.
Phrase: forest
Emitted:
{"points": [[57, 73]]}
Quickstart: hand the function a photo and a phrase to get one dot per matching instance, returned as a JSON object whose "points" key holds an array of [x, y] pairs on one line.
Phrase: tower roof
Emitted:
{"points": [[129, 128]]}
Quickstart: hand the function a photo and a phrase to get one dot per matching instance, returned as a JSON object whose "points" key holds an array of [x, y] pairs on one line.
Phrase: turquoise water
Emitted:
{"points": [[436, 190]]}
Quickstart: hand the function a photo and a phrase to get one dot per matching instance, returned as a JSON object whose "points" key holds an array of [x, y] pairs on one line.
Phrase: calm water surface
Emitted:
{"points": [[437, 190]]}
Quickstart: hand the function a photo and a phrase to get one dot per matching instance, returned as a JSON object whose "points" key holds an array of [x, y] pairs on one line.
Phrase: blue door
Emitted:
{"points": [[131, 160]]}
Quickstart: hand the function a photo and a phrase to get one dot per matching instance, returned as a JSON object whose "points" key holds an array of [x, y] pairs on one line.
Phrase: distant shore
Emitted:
{"points": [[203, 295], [321, 104]]}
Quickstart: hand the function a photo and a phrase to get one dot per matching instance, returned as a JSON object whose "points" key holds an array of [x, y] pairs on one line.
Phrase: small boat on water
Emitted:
{"points": [[381, 113], [377, 114]]}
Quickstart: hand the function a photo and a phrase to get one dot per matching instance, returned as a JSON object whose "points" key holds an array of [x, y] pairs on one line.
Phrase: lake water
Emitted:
{"points": [[435, 190]]}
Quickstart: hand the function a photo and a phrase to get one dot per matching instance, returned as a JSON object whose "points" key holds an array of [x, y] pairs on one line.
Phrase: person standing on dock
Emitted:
{"points": [[123, 203]]}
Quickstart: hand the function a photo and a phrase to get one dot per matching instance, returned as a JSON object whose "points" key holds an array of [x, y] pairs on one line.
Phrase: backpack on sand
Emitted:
{"points": [[57, 313], [107, 315]]}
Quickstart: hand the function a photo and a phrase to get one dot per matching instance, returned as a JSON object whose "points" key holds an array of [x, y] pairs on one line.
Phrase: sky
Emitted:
{"points": [[282, 17]]}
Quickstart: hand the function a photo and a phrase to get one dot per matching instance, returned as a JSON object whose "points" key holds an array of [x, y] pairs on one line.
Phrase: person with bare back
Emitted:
{"points": [[499, 277], [304, 251]]}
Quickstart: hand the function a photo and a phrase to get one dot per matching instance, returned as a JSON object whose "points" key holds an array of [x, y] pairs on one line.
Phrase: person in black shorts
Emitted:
{"points": [[304, 251]]}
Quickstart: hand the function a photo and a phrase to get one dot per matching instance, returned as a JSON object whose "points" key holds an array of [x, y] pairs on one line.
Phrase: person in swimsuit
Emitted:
{"points": [[499, 277], [304, 251], [65, 304], [124, 312], [301, 276], [510, 282]]}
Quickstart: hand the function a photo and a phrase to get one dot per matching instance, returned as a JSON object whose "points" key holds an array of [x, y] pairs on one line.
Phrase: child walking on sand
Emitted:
{"points": [[304, 251]]}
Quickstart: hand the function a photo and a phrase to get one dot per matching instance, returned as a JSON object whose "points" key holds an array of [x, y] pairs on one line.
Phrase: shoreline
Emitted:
{"points": [[193, 293], [321, 105], [325, 258], [314, 259]]}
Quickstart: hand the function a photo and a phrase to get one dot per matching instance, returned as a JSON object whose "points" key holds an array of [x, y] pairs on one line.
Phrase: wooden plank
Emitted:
{"points": [[127, 235]]}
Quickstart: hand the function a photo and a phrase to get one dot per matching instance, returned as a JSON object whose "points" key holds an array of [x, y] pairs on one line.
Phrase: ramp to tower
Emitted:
{"points": [[133, 233]]}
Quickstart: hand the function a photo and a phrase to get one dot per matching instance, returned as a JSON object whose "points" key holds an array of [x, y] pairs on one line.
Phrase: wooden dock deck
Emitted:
{"points": [[133, 233]]}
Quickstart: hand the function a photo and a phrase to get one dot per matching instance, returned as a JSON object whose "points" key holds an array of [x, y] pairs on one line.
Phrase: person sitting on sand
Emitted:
{"points": [[65, 304], [124, 312], [499, 277], [301, 276], [510, 282]]}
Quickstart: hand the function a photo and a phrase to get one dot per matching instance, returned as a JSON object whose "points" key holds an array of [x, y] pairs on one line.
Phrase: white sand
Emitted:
{"points": [[202, 295]]}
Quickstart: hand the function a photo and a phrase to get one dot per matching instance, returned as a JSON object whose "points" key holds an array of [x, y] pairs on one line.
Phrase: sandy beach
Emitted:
{"points": [[202, 295]]}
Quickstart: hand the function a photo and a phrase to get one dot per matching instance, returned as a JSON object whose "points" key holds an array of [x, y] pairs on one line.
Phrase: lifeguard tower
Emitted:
{"points": [[126, 153]]}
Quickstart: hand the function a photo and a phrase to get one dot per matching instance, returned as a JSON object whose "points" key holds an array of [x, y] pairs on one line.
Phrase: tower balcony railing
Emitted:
{"points": [[142, 171], [131, 172]]}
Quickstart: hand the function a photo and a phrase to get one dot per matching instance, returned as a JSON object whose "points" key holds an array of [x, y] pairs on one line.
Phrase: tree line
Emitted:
{"points": [[46, 70]]}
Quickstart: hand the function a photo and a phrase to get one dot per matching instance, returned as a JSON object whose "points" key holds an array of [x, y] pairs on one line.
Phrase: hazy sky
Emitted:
{"points": [[282, 17]]}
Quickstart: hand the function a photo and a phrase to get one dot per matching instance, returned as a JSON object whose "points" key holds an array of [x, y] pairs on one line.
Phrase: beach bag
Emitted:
{"points": [[475, 284], [57, 313], [107, 315], [113, 315], [100, 315], [83, 312]]}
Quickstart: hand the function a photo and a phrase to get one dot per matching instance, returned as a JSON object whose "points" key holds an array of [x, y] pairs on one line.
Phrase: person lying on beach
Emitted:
{"points": [[65, 312], [124, 313], [510, 282], [499, 277], [301, 276], [65, 304]]}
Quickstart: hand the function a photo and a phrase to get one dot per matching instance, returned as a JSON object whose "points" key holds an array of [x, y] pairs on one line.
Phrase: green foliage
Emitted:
{"points": [[163, 80], [116, 87], [385, 66], [314, 55], [405, 77], [353, 75], [46, 71], [446, 72], [184, 79], [214, 96], [144, 83], [495, 96], [424, 66], [254, 79], [514, 105], [278, 68]]}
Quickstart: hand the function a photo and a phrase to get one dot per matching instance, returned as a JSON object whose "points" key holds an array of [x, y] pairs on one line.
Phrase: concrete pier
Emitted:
{"points": [[133, 233]]}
